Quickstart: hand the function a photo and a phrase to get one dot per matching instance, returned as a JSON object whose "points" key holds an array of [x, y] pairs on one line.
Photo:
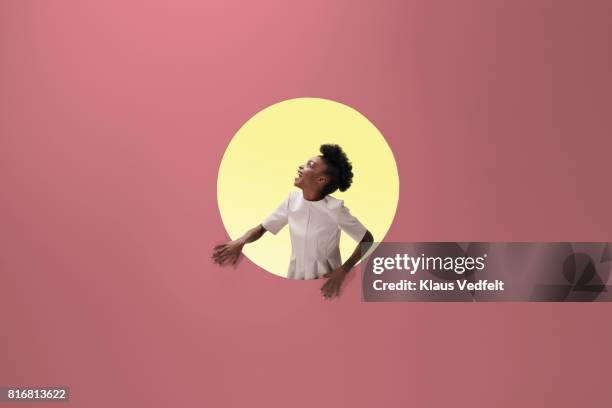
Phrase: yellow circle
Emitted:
{"points": [[260, 163]]}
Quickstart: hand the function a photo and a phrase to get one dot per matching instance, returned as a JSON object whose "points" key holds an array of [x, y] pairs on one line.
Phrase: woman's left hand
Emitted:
{"points": [[334, 281]]}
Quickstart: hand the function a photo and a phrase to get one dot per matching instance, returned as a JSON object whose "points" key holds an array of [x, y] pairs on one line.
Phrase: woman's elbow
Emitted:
{"points": [[368, 237]]}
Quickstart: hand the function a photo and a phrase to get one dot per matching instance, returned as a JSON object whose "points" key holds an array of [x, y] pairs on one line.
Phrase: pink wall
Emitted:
{"points": [[114, 117]]}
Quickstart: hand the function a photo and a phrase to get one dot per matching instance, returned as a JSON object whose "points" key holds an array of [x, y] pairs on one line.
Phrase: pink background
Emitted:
{"points": [[114, 117]]}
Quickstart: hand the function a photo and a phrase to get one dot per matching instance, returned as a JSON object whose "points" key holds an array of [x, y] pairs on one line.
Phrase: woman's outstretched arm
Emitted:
{"points": [[230, 252], [336, 277]]}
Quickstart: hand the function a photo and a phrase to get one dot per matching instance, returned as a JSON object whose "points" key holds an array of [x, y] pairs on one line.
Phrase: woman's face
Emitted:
{"points": [[311, 176]]}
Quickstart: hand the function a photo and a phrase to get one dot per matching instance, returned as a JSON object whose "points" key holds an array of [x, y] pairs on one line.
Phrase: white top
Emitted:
{"points": [[314, 227]]}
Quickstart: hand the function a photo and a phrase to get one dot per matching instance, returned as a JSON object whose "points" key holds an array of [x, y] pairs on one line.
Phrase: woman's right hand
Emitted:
{"points": [[228, 253]]}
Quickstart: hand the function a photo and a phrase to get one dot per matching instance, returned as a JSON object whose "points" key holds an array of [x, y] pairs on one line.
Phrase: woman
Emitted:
{"points": [[315, 219]]}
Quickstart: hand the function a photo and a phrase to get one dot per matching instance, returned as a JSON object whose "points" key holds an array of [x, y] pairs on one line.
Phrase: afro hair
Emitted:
{"points": [[339, 168]]}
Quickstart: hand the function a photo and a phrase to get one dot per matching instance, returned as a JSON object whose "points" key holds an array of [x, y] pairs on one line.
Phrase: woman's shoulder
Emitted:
{"points": [[294, 195], [333, 203]]}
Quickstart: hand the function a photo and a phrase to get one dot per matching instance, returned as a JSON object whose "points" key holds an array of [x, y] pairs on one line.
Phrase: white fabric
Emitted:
{"points": [[314, 227]]}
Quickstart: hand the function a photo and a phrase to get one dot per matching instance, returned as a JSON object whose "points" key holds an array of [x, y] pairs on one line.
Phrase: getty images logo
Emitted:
{"points": [[412, 264]]}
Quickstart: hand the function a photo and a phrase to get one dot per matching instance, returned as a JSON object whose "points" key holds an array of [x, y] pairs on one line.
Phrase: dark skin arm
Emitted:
{"points": [[336, 277], [229, 253]]}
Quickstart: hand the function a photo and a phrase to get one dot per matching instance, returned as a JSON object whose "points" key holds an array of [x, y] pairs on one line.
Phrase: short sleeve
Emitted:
{"points": [[351, 225], [279, 218]]}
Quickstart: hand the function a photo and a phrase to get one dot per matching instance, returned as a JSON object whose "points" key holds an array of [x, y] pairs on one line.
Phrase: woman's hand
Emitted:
{"points": [[231, 251], [334, 281], [336, 277], [228, 253]]}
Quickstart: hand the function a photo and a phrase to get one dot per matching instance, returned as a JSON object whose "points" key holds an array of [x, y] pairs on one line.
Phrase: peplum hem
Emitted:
{"points": [[308, 269]]}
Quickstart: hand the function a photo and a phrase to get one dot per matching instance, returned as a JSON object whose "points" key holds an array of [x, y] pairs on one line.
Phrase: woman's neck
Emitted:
{"points": [[312, 195]]}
